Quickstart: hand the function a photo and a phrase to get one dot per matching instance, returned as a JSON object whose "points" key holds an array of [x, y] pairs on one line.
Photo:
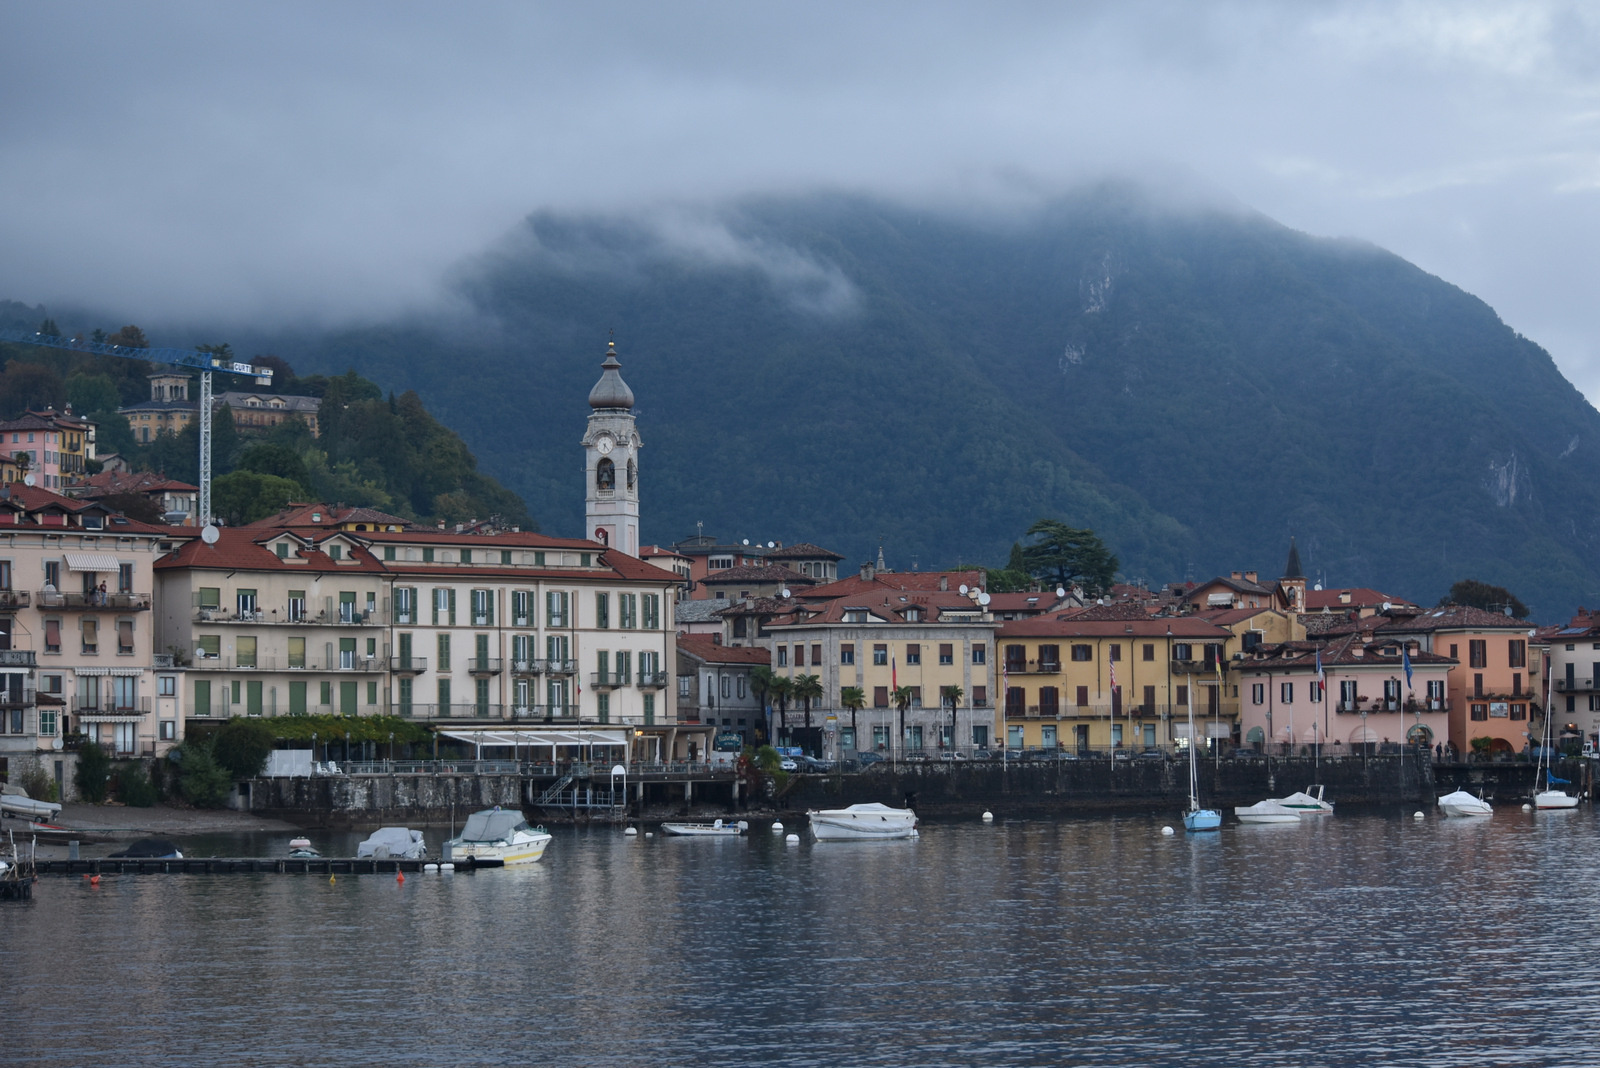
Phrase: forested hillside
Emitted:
{"points": [[1195, 385], [383, 451]]}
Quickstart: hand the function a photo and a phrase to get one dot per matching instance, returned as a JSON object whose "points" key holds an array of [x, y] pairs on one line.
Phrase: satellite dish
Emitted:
{"points": [[785, 591], [963, 589], [28, 479], [1318, 586], [772, 545], [209, 534], [1061, 591], [56, 742], [746, 541], [983, 598], [1386, 606]]}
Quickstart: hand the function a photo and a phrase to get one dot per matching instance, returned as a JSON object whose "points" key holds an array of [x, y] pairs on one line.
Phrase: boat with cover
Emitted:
{"points": [[16, 801], [1462, 803], [715, 829], [863, 822], [1196, 818], [399, 842], [1307, 802], [495, 837], [1268, 811]]}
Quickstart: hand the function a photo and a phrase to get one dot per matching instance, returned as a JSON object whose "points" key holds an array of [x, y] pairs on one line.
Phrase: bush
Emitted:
{"points": [[241, 746], [203, 783], [134, 786], [94, 772], [39, 783]]}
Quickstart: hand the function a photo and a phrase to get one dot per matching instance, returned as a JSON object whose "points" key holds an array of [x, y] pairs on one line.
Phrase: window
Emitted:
{"points": [[913, 653], [297, 605], [388, 553], [47, 722], [799, 655], [1286, 692], [505, 557], [649, 698], [980, 653], [880, 655], [444, 653], [783, 656], [1258, 693], [1480, 712], [683, 686], [1453, 654], [521, 608], [208, 646], [628, 610], [1347, 693], [52, 574], [1016, 658], [125, 637], [1435, 691], [246, 602], [1477, 685], [555, 608], [847, 653], [1050, 701], [210, 597], [1081, 697], [483, 608], [602, 610], [602, 703], [1314, 692], [1183, 696], [1049, 658], [336, 552], [1149, 651], [244, 648], [444, 696], [880, 697], [347, 607], [405, 605], [1082, 653], [947, 654], [466, 556], [1182, 651], [1016, 701], [1518, 652], [727, 687], [1519, 711], [624, 666], [444, 605], [1478, 650], [167, 686], [1116, 652], [202, 697], [297, 652], [91, 635], [124, 578], [652, 611], [1391, 690], [816, 655]]}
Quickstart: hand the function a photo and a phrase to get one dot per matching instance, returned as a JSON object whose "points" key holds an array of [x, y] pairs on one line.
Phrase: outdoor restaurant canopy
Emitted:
{"points": [[528, 736]]}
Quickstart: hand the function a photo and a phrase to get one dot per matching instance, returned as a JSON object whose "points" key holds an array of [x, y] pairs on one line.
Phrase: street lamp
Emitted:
{"points": [[313, 747]]}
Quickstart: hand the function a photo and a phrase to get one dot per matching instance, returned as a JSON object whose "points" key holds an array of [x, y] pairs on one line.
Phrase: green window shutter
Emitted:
{"points": [[234, 691], [452, 606], [444, 653], [466, 556], [603, 664], [649, 709], [505, 557], [388, 553], [603, 703], [372, 693], [297, 698], [326, 692], [210, 596], [444, 697], [538, 559], [252, 692], [602, 610], [427, 556], [202, 697], [434, 597]]}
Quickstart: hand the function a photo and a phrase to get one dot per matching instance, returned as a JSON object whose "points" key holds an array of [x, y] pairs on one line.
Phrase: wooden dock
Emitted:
{"points": [[230, 866]]}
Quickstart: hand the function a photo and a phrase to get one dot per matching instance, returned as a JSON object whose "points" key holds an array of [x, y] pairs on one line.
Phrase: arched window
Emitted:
{"points": [[605, 474]]}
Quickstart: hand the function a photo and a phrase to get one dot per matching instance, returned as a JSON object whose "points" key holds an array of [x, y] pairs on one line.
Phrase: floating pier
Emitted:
{"points": [[230, 866]]}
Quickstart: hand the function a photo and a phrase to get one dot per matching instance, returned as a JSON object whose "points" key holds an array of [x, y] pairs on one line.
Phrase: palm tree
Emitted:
{"points": [[855, 699], [761, 679], [902, 701], [953, 694], [807, 688], [780, 688]]}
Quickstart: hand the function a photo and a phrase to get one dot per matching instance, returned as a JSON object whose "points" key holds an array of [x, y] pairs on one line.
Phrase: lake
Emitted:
{"points": [[1356, 939]]}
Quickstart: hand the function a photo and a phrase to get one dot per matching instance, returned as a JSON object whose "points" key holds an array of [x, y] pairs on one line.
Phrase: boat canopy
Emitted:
{"points": [[491, 825]]}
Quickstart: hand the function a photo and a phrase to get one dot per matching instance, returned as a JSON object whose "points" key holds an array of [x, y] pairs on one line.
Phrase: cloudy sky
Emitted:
{"points": [[335, 161]]}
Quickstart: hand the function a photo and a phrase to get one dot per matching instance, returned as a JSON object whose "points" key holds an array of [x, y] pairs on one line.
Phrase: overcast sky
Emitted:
{"points": [[334, 161]]}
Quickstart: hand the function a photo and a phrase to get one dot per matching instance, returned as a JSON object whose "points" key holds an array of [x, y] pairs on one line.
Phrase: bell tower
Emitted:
{"points": [[611, 461]]}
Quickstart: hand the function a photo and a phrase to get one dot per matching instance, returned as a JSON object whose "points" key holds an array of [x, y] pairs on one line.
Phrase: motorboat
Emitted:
{"points": [[1268, 811], [1462, 803], [496, 837], [862, 822], [18, 803], [1307, 802], [715, 829], [150, 849], [401, 842], [302, 849]]}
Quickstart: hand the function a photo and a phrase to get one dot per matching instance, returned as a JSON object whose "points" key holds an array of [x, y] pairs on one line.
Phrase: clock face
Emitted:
{"points": [[604, 444]]}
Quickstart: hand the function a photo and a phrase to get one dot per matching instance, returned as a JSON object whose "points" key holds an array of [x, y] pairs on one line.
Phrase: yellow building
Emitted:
{"points": [[1114, 677]]}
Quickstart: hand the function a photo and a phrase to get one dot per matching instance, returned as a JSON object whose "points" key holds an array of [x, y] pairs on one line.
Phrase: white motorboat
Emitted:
{"points": [[1554, 798], [496, 837], [1268, 811], [1462, 803], [20, 804], [716, 829], [399, 842], [1307, 802], [863, 822]]}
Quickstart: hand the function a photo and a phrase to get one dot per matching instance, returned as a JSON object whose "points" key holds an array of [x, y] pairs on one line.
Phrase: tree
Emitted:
{"points": [[902, 700], [49, 328], [94, 771], [134, 506], [952, 694], [1477, 594], [761, 679], [1067, 556], [781, 688], [807, 688], [855, 699], [241, 746], [268, 459], [204, 784], [92, 393], [129, 337], [29, 385], [245, 496]]}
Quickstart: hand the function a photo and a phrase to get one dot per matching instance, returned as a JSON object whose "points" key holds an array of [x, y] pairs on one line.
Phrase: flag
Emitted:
{"points": [[894, 673], [1113, 662], [1405, 658], [1322, 679]]}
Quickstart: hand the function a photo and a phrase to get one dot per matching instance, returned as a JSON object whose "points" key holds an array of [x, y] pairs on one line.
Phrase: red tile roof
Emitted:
{"points": [[1063, 625], [803, 550], [703, 648], [1360, 597]]}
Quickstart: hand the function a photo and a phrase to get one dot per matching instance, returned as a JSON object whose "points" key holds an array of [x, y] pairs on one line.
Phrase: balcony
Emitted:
{"points": [[608, 680], [652, 680], [21, 658], [561, 667], [1033, 667], [341, 662], [110, 706], [484, 665], [339, 617], [527, 667], [11, 599], [408, 665], [1574, 685], [50, 600], [454, 710], [19, 698]]}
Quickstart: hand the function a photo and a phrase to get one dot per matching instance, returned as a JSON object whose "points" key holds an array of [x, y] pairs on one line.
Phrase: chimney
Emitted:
{"points": [[1344, 596], [944, 584], [1250, 576], [868, 572], [1235, 575]]}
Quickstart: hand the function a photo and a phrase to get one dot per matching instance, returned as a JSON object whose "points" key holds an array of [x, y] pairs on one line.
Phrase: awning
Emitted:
{"points": [[531, 737], [96, 718], [92, 562], [129, 673]]}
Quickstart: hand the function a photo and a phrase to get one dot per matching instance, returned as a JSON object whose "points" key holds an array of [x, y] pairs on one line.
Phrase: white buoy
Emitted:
{"points": [[447, 866], [649, 834], [1416, 815], [743, 826], [792, 838], [1166, 832], [777, 828], [430, 867], [630, 831], [1527, 808], [988, 817]]}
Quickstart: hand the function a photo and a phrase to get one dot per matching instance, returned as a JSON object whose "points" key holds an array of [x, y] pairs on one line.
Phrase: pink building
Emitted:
{"points": [[1363, 694]]}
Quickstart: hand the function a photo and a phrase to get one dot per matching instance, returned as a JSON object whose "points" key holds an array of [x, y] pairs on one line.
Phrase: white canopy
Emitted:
{"points": [[91, 562], [529, 736]]}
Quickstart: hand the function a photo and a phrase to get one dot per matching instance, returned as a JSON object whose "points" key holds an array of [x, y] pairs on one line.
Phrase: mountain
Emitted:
{"points": [[1195, 383]]}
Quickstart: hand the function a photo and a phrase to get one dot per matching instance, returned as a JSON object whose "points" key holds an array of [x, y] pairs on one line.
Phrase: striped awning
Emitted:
{"points": [[95, 717], [129, 672], [91, 562], [531, 737]]}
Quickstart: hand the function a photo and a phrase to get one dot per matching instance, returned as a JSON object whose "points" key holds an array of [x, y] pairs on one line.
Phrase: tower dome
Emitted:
{"points": [[611, 391]]}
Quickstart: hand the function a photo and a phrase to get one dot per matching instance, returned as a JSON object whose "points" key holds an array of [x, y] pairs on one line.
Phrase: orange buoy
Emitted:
{"points": [[94, 880], [399, 876]]}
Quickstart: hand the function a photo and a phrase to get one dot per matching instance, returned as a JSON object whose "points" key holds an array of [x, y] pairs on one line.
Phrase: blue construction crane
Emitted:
{"points": [[204, 362]]}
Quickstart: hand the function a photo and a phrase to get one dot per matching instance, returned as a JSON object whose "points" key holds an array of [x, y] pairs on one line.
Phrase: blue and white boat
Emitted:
{"points": [[1197, 818]]}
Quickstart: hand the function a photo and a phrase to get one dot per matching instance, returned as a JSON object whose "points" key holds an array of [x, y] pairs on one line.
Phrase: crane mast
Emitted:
{"points": [[206, 363]]}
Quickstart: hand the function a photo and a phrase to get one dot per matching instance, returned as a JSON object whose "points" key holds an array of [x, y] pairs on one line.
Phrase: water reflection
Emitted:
{"points": [[1356, 939]]}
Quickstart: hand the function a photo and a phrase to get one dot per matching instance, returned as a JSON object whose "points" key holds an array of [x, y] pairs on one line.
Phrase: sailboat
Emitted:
{"points": [[1549, 797], [1197, 818]]}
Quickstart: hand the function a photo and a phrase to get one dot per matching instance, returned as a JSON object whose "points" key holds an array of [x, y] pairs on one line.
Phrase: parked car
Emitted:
{"points": [[788, 764], [951, 755], [868, 758], [811, 763]]}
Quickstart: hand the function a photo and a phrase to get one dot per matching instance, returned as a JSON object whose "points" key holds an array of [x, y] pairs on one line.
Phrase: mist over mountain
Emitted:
{"points": [[1194, 383]]}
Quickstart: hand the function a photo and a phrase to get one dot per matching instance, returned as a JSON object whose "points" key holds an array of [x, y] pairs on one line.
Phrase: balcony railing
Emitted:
{"points": [[652, 680], [527, 667], [561, 667], [454, 710], [484, 665], [10, 599], [20, 698], [1033, 667], [408, 665], [1574, 685], [110, 706], [339, 663], [94, 602], [608, 680], [16, 658], [320, 618]]}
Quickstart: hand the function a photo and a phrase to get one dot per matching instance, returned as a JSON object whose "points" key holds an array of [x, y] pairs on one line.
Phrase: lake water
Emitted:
{"points": [[1356, 939]]}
